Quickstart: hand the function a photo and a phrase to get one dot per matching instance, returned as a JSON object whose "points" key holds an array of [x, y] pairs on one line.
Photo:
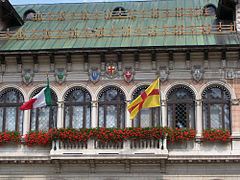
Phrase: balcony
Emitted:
{"points": [[97, 149]]}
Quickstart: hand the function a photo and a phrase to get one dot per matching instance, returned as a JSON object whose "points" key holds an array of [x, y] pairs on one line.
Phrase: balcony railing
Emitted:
{"points": [[96, 147]]}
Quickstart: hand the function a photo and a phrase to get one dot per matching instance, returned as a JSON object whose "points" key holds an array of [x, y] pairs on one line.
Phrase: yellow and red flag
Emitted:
{"points": [[149, 98]]}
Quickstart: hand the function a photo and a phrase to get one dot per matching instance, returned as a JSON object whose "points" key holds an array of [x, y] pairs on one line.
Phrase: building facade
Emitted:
{"points": [[101, 56]]}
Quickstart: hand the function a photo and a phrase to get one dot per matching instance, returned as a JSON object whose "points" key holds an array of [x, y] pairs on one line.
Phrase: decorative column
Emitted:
{"points": [[26, 121], [164, 113], [199, 125], [60, 114], [94, 114], [127, 115]]}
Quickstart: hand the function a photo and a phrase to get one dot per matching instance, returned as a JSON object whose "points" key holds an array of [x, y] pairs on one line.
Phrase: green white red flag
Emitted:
{"points": [[43, 98]]}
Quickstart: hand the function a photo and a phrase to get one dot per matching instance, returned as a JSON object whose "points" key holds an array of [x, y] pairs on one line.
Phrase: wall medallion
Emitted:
{"points": [[60, 75], [27, 76], [128, 74], [163, 73], [111, 70], [94, 74], [197, 73]]}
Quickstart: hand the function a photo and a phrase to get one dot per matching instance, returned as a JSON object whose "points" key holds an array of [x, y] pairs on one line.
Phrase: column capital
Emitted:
{"points": [[60, 104], [198, 102], [94, 103]]}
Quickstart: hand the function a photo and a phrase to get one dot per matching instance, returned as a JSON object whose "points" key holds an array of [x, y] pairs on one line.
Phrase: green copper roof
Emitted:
{"points": [[120, 41]]}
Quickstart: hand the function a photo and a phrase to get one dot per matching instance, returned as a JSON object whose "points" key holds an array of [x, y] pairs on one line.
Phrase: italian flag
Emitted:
{"points": [[43, 98]]}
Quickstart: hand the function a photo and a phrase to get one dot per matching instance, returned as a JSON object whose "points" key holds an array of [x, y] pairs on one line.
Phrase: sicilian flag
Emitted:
{"points": [[149, 98], [43, 98]]}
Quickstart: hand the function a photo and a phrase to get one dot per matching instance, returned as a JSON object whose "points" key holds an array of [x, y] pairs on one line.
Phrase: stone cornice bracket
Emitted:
{"points": [[52, 62], [85, 57], [154, 67], [69, 62], [119, 58], [102, 58], [19, 63], [205, 66], [3, 66], [188, 58], [35, 61], [136, 60], [170, 58]]}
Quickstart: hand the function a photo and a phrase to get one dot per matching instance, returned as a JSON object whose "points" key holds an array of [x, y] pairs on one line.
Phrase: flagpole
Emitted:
{"points": [[160, 98], [53, 123]]}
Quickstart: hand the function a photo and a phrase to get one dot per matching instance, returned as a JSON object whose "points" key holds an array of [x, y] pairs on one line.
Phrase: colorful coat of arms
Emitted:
{"points": [[111, 70], [60, 75], [27, 76], [94, 74], [128, 74]]}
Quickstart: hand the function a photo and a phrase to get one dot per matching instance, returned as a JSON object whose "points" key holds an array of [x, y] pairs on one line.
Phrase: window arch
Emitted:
{"points": [[77, 109], [11, 117], [119, 11], [112, 106], [210, 9], [149, 117], [44, 118], [181, 108], [29, 15], [216, 108]]}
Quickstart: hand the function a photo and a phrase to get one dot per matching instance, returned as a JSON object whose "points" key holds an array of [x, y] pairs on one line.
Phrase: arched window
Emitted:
{"points": [[216, 108], [44, 118], [29, 15], [149, 117], [181, 108], [119, 11], [111, 112], [210, 9], [11, 117], [77, 111]]}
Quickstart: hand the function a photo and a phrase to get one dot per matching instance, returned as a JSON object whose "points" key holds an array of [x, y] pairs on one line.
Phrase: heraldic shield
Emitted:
{"points": [[128, 74], [111, 70], [27, 76], [60, 75], [94, 74]]}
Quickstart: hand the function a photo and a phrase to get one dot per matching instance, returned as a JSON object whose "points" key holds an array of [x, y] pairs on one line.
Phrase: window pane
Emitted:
{"points": [[216, 116], [67, 116], [11, 113], [20, 125], [191, 117], [181, 116], [1, 119], [77, 119], [43, 118], [205, 113], [170, 116], [145, 118], [101, 117], [111, 114], [227, 116], [34, 119], [88, 117]]}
